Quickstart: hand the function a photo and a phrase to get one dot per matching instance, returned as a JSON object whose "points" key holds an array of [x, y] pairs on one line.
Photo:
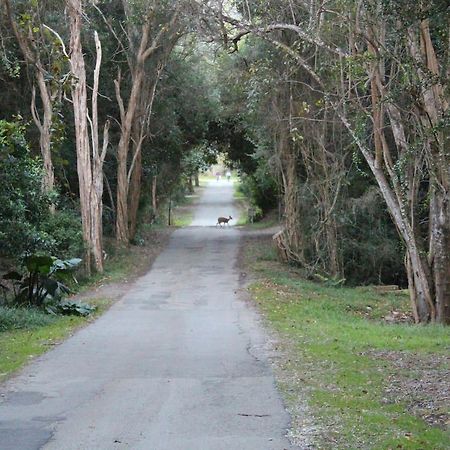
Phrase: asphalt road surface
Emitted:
{"points": [[177, 364]]}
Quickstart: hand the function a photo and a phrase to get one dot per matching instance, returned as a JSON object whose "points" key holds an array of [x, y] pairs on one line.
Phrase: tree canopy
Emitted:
{"points": [[336, 113]]}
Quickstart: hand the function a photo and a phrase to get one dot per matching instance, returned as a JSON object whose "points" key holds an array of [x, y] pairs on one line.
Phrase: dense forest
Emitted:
{"points": [[335, 114]]}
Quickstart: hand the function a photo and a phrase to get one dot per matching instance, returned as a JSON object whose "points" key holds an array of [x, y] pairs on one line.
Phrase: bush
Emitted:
{"points": [[260, 189], [26, 224], [42, 281], [24, 205], [23, 318], [65, 236], [371, 249]]}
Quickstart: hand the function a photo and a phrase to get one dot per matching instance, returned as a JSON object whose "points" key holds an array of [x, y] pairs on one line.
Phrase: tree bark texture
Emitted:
{"points": [[80, 110], [89, 166]]}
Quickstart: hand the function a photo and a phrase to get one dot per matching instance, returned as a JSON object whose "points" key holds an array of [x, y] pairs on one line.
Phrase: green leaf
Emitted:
{"points": [[39, 264]]}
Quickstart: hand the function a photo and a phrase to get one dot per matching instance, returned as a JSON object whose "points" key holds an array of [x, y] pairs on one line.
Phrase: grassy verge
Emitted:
{"points": [[350, 378], [242, 202], [27, 333], [183, 213]]}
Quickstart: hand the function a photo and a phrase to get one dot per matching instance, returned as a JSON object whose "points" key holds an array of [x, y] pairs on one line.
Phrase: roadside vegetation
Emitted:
{"points": [[335, 117], [353, 369], [27, 332]]}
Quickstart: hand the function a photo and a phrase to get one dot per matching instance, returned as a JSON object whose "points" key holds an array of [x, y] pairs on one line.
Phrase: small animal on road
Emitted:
{"points": [[221, 220]]}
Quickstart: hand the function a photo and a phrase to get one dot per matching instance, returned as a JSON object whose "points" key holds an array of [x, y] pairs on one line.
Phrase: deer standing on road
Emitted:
{"points": [[222, 220]]}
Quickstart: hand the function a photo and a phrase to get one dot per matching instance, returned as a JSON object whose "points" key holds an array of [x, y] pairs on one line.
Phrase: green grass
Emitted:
{"points": [[120, 264], [23, 318], [242, 202], [31, 332], [182, 217], [340, 355]]}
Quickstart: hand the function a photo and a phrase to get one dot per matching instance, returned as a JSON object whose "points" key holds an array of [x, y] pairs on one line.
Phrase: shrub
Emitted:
{"points": [[23, 318], [42, 281], [65, 237], [371, 248], [24, 205], [26, 224], [260, 189]]}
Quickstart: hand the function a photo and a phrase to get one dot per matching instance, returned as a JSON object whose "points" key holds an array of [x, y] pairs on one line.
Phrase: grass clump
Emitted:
{"points": [[23, 318], [369, 383]]}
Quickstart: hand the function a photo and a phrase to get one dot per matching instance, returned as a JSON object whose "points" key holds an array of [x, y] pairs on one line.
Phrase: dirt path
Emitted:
{"points": [[177, 364]]}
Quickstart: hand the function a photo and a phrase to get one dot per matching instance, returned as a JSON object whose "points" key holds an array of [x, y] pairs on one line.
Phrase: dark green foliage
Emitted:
{"points": [[71, 308], [23, 204], [23, 318], [64, 231], [371, 248], [26, 223], [199, 159], [42, 280], [230, 136], [260, 188]]}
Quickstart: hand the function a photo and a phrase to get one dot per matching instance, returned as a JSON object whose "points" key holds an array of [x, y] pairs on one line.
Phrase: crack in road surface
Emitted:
{"points": [[169, 367]]}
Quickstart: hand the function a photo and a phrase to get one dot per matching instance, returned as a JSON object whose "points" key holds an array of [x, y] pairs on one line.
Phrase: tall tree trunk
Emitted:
{"points": [[90, 168], [135, 194], [146, 49], [294, 235], [80, 110], [122, 232], [140, 129], [44, 127], [440, 258], [98, 158], [419, 274]]}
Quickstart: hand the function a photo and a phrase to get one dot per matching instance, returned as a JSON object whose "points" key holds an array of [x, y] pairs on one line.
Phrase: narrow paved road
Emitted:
{"points": [[176, 364]]}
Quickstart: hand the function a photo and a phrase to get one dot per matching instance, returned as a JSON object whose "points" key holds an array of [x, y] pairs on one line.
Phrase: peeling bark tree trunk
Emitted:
{"points": [[122, 233], [293, 231], [90, 168], [140, 129], [98, 157], [80, 110], [440, 234], [44, 127]]}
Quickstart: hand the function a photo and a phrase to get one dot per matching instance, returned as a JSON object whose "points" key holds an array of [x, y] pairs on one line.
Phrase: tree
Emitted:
{"points": [[89, 165], [42, 51], [149, 44], [387, 68]]}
